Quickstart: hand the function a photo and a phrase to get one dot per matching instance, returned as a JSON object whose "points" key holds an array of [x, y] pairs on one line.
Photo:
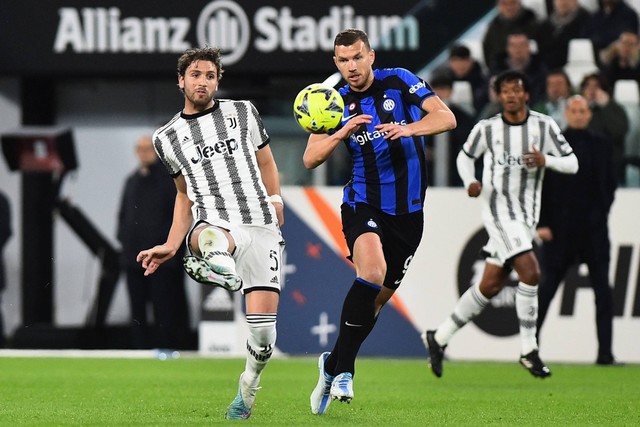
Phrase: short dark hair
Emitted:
{"points": [[441, 80], [459, 51], [599, 77], [207, 53], [350, 36], [511, 76]]}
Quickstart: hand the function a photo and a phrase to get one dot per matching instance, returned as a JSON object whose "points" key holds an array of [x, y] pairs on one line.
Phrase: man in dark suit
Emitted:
{"points": [[5, 234], [144, 219], [574, 222]]}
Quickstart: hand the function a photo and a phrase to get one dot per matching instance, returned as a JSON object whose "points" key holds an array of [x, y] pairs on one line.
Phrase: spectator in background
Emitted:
{"points": [[462, 67], [608, 117], [493, 106], [512, 17], [621, 59], [442, 86], [566, 21], [606, 24], [557, 92], [5, 234], [574, 222], [519, 57], [144, 219]]}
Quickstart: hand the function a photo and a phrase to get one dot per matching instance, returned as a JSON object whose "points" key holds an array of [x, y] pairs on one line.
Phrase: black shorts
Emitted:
{"points": [[400, 236]]}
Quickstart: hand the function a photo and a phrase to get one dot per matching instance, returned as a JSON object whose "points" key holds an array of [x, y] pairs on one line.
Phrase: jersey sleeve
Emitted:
{"points": [[476, 143], [416, 89], [162, 145], [556, 144], [257, 131]]}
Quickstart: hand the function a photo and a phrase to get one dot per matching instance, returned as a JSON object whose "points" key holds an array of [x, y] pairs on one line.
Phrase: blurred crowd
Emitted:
{"points": [[566, 47]]}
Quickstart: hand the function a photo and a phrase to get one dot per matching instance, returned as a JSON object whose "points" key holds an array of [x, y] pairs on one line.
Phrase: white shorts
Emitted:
{"points": [[258, 255], [507, 239]]}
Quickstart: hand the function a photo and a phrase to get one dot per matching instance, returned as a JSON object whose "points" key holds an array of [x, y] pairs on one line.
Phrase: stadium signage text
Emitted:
{"points": [[225, 24]]}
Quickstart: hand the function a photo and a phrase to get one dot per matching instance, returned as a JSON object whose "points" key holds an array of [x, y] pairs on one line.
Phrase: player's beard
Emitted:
{"points": [[200, 102]]}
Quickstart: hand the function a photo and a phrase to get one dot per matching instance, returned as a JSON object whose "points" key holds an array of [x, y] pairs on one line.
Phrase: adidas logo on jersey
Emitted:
{"points": [[275, 280]]}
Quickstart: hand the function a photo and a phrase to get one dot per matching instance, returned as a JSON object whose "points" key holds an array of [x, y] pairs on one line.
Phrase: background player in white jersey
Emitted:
{"points": [[227, 206], [517, 145]]}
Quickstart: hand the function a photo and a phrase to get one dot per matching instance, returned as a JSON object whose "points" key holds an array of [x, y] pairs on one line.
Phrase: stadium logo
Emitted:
{"points": [[224, 24], [499, 317]]}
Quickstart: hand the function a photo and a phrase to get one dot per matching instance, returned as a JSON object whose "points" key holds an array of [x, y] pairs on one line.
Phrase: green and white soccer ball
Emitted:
{"points": [[318, 108]]}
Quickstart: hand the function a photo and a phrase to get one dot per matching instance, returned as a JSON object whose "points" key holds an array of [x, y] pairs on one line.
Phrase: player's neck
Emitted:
{"points": [[515, 117]]}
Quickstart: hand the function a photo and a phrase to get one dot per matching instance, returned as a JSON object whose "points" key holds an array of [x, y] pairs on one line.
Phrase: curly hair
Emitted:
{"points": [[197, 54]]}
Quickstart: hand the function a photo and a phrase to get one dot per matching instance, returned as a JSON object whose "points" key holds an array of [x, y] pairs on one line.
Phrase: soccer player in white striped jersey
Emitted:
{"points": [[517, 145], [228, 206]]}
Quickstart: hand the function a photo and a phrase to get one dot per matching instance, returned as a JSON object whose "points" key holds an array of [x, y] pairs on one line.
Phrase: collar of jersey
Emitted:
{"points": [[518, 123], [216, 105]]}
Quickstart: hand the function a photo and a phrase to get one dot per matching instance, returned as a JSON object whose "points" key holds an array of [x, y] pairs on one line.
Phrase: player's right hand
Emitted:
{"points": [[475, 188], [350, 127], [152, 258]]}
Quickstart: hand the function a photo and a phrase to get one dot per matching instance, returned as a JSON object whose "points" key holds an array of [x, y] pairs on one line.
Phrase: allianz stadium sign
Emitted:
{"points": [[119, 36]]}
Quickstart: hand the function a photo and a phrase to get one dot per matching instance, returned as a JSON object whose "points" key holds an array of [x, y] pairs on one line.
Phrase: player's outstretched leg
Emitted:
{"points": [[436, 352], [532, 362], [320, 398]]}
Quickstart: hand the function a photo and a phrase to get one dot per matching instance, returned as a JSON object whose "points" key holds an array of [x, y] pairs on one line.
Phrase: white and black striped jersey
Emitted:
{"points": [[215, 152], [511, 191]]}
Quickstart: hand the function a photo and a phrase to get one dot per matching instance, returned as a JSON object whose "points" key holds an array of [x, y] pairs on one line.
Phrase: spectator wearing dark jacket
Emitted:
{"points": [[566, 21], [574, 222], [512, 17]]}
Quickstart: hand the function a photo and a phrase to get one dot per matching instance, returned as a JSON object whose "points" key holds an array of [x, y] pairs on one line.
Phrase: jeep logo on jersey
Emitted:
{"points": [[509, 160], [499, 317], [220, 147]]}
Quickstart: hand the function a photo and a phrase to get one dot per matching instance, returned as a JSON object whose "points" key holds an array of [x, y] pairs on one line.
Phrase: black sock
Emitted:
{"points": [[356, 322]]}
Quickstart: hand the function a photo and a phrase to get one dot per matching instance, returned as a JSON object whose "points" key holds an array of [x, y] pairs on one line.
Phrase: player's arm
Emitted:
{"points": [[439, 119], [467, 171], [271, 179], [320, 146], [563, 164], [182, 219]]}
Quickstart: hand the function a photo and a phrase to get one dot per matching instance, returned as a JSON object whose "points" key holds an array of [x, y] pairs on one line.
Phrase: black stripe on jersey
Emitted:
{"points": [[236, 180], [524, 173], [158, 146], [543, 131], [209, 173], [493, 198], [244, 117], [474, 145], [201, 213], [506, 175]]}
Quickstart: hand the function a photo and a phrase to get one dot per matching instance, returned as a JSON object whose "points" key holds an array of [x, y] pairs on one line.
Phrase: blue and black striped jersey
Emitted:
{"points": [[388, 175]]}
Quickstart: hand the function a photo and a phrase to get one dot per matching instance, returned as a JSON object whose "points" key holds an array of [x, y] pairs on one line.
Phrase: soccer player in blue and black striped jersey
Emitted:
{"points": [[387, 114]]}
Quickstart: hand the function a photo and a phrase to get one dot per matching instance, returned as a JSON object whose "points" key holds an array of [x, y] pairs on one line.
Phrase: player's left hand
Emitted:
{"points": [[535, 159], [393, 131]]}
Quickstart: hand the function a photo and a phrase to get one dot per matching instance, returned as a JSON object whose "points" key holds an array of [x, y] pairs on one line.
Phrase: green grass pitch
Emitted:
{"points": [[388, 392]]}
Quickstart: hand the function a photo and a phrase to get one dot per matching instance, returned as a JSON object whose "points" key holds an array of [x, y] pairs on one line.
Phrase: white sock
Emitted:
{"points": [[527, 310], [260, 344], [470, 304], [214, 247]]}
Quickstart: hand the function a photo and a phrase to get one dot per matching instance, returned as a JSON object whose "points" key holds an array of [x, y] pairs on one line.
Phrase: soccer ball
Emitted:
{"points": [[318, 108]]}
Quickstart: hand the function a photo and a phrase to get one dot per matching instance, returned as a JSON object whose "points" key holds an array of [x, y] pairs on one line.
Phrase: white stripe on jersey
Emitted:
{"points": [[215, 152], [510, 189]]}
